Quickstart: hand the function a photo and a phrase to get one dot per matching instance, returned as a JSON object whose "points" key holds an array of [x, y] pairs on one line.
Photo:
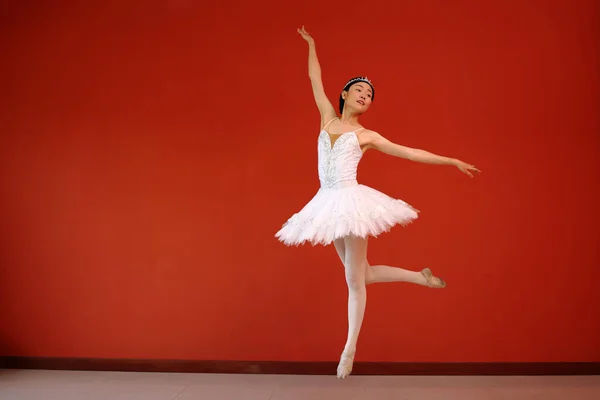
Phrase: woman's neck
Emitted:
{"points": [[349, 118]]}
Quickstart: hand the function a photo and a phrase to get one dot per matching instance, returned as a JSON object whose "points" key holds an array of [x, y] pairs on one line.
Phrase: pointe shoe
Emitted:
{"points": [[433, 281], [345, 366]]}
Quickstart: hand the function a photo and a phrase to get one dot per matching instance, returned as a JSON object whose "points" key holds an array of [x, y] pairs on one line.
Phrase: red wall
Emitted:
{"points": [[151, 151]]}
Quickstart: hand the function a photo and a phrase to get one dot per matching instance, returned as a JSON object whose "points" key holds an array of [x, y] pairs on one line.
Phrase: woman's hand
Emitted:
{"points": [[465, 168], [305, 35]]}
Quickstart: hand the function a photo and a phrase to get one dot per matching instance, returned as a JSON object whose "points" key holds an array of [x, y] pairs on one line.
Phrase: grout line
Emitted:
{"points": [[181, 391]]}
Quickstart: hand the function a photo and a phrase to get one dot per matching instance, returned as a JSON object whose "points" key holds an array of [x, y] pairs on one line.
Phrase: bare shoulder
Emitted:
{"points": [[370, 139], [369, 136], [369, 133], [328, 118]]}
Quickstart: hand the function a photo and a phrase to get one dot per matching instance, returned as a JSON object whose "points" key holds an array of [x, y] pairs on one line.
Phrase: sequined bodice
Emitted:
{"points": [[339, 164]]}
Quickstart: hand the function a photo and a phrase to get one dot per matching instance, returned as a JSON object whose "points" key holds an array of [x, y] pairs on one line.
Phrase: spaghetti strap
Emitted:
{"points": [[327, 124], [358, 130]]}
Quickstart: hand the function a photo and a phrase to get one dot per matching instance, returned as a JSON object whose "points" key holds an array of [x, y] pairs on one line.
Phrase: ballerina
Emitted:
{"points": [[346, 213]]}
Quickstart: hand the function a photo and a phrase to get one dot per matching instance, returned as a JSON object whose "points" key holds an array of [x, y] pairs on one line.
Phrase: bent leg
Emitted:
{"points": [[385, 273]]}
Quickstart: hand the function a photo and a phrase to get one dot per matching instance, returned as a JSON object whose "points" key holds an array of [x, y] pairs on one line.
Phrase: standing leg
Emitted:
{"points": [[355, 257], [340, 248]]}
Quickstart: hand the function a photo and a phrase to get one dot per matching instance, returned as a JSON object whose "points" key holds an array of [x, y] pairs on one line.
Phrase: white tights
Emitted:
{"points": [[353, 254]]}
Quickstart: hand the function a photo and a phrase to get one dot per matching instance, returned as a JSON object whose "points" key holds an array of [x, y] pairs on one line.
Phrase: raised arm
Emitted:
{"points": [[314, 72], [376, 141]]}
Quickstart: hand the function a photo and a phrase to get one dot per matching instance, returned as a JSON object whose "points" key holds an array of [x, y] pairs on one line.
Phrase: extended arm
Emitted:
{"points": [[314, 72], [378, 142]]}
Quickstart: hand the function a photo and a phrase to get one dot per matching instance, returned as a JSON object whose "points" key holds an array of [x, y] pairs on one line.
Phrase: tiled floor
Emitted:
{"points": [[67, 385]]}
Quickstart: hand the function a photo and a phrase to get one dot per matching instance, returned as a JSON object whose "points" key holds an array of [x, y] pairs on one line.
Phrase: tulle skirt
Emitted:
{"points": [[354, 210]]}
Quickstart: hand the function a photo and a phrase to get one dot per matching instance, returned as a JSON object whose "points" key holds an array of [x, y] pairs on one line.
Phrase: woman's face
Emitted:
{"points": [[358, 97]]}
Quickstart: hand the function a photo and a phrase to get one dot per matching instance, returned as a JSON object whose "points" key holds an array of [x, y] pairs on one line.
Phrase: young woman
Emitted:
{"points": [[346, 213]]}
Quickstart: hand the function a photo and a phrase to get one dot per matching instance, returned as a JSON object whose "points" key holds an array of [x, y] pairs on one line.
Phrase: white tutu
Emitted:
{"points": [[356, 210], [343, 207]]}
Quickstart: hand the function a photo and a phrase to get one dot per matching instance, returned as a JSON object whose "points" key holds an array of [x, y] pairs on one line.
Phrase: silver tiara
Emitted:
{"points": [[362, 79]]}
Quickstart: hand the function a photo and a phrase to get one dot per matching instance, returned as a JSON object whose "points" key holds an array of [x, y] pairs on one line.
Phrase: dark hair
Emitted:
{"points": [[350, 83]]}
